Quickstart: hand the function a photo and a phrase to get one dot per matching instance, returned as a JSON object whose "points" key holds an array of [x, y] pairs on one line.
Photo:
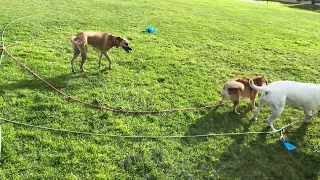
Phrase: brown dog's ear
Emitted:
{"points": [[119, 39]]}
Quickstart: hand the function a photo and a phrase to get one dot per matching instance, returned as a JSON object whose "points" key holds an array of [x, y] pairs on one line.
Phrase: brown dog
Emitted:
{"points": [[239, 87], [100, 40]]}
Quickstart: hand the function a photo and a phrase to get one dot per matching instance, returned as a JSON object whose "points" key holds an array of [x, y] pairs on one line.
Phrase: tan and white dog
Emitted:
{"points": [[238, 88], [103, 41], [295, 94]]}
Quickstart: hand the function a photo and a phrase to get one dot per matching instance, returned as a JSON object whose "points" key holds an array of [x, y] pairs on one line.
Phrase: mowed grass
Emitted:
{"points": [[199, 45]]}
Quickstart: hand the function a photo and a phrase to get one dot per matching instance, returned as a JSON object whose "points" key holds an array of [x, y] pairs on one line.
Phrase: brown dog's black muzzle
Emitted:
{"points": [[127, 48]]}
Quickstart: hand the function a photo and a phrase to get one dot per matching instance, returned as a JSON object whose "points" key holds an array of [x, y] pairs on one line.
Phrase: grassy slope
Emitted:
{"points": [[198, 47]]}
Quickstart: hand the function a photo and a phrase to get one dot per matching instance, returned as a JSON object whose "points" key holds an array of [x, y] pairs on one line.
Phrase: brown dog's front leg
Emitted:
{"points": [[100, 57], [109, 59]]}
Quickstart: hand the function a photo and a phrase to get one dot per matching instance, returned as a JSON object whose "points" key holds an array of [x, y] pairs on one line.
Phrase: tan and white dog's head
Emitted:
{"points": [[122, 42], [260, 81]]}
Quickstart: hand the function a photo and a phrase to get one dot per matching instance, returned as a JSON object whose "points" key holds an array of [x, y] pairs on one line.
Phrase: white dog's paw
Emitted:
{"points": [[253, 119], [307, 120]]}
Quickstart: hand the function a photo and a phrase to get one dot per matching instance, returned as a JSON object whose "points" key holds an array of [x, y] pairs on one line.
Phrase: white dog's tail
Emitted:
{"points": [[257, 88]]}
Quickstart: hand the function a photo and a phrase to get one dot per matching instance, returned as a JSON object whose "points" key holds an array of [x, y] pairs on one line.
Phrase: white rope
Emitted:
{"points": [[2, 34], [149, 137]]}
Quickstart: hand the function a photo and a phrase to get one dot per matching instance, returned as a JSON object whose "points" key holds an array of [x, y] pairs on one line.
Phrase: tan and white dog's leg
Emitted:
{"points": [[236, 100], [252, 101]]}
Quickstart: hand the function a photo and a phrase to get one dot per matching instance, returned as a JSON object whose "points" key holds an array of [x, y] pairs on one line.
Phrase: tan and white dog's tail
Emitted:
{"points": [[234, 84], [257, 88], [231, 84]]}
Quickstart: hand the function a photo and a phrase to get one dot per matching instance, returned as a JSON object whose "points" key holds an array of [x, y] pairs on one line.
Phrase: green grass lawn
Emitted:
{"points": [[199, 45]]}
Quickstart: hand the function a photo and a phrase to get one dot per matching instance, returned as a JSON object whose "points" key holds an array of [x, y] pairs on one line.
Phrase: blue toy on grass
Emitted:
{"points": [[150, 29], [289, 147]]}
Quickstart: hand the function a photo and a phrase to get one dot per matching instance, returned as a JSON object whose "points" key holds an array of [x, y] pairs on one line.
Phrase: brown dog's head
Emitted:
{"points": [[260, 81], [121, 42]]}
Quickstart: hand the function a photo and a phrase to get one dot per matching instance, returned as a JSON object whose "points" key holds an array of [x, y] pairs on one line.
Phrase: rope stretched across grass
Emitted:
{"points": [[148, 137], [68, 97]]}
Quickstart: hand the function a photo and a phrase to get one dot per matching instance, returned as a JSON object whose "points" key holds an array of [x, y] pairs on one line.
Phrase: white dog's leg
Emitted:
{"points": [[257, 110], [276, 112], [308, 115]]}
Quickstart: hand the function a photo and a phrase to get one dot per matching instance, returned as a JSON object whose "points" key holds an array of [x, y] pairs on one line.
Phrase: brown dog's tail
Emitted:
{"points": [[72, 38], [257, 88]]}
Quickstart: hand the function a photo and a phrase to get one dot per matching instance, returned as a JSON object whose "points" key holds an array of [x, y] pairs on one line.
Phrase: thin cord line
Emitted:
{"points": [[3, 31], [148, 137]]}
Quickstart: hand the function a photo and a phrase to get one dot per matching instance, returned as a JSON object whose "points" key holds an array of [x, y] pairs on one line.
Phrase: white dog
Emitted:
{"points": [[294, 94]]}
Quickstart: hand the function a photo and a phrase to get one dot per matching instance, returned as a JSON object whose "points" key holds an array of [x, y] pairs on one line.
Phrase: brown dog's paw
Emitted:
{"points": [[103, 70]]}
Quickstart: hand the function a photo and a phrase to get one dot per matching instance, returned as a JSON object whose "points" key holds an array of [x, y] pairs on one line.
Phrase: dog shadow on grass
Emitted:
{"points": [[220, 120], [254, 156], [261, 160], [61, 81]]}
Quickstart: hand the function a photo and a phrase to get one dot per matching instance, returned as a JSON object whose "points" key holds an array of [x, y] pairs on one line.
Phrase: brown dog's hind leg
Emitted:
{"points": [[83, 50], [76, 53], [84, 57]]}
